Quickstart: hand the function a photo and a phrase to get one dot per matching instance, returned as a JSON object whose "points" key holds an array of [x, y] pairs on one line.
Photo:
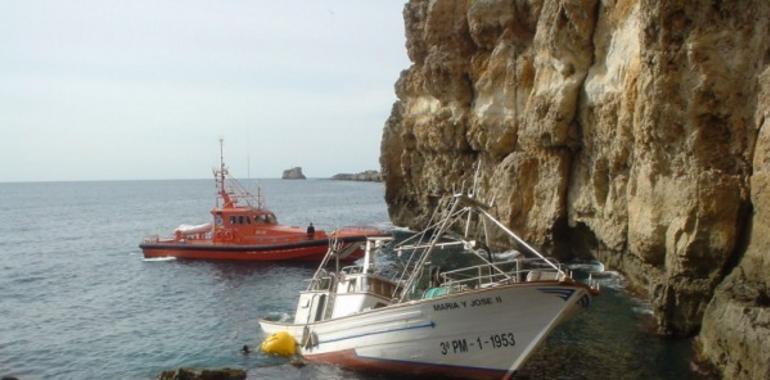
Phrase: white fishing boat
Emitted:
{"points": [[478, 321]]}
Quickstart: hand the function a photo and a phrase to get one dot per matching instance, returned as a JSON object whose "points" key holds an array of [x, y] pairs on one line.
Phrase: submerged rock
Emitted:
{"points": [[367, 175], [203, 374], [293, 173], [631, 131]]}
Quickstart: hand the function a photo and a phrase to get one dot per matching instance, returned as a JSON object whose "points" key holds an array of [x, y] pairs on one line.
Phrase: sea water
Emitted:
{"points": [[78, 301]]}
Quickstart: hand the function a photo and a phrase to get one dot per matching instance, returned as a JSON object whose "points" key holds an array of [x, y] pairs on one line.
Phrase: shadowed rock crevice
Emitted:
{"points": [[744, 229]]}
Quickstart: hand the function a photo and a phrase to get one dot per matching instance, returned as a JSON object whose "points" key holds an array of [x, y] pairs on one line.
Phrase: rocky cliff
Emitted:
{"points": [[632, 131]]}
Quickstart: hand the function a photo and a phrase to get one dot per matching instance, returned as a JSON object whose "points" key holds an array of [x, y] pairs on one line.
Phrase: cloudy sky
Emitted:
{"points": [[103, 90]]}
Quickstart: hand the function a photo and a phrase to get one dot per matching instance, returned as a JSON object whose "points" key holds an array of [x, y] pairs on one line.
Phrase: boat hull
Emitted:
{"points": [[486, 333], [306, 250]]}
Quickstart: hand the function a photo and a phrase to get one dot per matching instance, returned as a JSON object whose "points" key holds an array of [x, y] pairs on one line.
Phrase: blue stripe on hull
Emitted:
{"points": [[562, 293], [420, 326]]}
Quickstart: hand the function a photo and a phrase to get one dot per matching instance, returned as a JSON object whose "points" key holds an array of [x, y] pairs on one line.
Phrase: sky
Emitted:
{"points": [[121, 90]]}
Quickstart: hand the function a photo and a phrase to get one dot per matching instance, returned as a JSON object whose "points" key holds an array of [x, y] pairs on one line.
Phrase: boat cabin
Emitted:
{"points": [[242, 216], [351, 290]]}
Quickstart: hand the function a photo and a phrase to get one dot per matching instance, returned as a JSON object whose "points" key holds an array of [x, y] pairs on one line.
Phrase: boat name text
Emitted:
{"points": [[478, 302]]}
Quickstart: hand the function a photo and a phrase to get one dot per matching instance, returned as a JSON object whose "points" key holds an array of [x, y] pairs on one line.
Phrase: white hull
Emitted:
{"points": [[483, 333]]}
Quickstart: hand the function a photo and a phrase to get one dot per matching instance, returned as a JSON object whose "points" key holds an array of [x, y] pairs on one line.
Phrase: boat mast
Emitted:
{"points": [[221, 165], [226, 201]]}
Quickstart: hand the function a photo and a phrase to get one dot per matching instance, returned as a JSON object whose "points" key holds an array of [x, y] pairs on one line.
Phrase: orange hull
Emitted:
{"points": [[304, 250]]}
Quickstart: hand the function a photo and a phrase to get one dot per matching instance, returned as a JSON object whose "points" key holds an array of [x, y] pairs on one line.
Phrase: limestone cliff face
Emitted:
{"points": [[632, 131]]}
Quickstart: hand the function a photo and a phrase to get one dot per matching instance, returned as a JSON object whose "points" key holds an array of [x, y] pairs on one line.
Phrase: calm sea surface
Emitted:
{"points": [[77, 300]]}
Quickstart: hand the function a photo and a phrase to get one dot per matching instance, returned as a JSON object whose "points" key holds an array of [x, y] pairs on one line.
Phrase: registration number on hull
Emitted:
{"points": [[478, 343]]}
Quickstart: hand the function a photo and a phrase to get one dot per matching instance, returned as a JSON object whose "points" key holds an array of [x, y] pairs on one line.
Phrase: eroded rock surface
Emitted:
{"points": [[737, 320], [632, 131]]}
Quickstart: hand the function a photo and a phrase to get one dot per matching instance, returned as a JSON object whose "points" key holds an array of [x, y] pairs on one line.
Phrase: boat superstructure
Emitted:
{"points": [[475, 321], [244, 229]]}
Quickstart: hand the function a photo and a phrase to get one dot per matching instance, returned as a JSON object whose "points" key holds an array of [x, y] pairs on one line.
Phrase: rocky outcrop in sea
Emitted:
{"points": [[637, 132], [293, 173], [203, 374], [367, 176]]}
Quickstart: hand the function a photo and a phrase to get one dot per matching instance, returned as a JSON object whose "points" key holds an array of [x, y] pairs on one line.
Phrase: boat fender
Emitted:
{"points": [[280, 343]]}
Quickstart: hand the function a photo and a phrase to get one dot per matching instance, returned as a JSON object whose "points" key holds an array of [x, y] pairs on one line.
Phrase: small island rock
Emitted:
{"points": [[367, 175], [293, 173]]}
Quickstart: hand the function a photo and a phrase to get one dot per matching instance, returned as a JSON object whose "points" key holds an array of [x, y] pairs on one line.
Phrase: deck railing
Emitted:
{"points": [[321, 283], [502, 272]]}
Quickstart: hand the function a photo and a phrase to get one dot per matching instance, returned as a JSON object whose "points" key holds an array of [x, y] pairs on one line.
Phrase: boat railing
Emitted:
{"points": [[361, 229], [352, 269], [321, 283], [209, 236], [510, 271]]}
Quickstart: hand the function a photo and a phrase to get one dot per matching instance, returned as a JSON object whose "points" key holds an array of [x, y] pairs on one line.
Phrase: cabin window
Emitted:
{"points": [[352, 286], [319, 309], [232, 220], [218, 220], [271, 219], [240, 219], [248, 219]]}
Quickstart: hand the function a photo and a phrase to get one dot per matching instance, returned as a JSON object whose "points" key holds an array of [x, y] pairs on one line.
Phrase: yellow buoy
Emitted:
{"points": [[280, 343]]}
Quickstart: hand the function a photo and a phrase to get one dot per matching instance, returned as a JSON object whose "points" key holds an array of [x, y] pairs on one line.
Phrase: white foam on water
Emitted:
{"points": [[606, 274], [159, 259], [507, 255], [593, 267], [643, 310], [610, 279], [278, 317], [642, 307], [386, 226]]}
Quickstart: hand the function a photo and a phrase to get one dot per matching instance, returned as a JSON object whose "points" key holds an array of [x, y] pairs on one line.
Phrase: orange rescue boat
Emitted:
{"points": [[243, 229]]}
